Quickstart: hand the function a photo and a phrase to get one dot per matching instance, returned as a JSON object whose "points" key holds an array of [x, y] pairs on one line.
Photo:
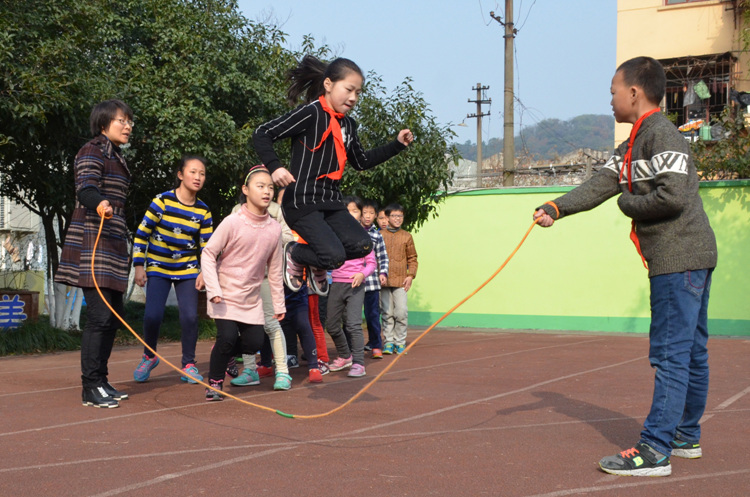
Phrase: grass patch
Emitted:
{"points": [[40, 337]]}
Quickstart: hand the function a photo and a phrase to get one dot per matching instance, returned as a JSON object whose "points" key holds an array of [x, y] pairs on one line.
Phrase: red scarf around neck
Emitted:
{"points": [[628, 164], [334, 127]]}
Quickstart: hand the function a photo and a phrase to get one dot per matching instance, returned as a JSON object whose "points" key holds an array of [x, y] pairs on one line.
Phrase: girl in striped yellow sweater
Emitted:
{"points": [[166, 252]]}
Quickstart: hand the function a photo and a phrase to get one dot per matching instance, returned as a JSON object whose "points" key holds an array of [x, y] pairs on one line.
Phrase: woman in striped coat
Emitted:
{"points": [[102, 180]]}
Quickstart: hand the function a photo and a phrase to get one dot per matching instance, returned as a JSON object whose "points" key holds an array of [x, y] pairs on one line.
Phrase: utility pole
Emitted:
{"points": [[509, 150], [479, 101]]}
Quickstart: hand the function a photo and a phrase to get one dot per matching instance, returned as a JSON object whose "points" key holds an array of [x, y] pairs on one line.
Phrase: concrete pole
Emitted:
{"points": [[479, 135], [509, 152], [479, 88]]}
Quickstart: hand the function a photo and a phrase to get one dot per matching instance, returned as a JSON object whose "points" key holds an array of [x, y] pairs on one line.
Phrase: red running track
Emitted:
{"points": [[465, 413]]}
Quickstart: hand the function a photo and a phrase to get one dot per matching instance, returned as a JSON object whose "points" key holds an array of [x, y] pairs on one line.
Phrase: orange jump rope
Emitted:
{"points": [[353, 398]]}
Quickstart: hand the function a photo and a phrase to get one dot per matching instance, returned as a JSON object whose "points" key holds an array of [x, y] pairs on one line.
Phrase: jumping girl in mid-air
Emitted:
{"points": [[323, 139]]}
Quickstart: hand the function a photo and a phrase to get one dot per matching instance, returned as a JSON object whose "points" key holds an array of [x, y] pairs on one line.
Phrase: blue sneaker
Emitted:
{"points": [[388, 349], [247, 378], [400, 349], [283, 382], [191, 370], [143, 371]]}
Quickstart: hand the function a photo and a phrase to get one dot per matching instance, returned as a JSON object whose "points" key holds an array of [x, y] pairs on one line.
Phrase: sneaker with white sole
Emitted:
{"points": [[192, 375], [356, 371], [113, 392], [640, 460], [291, 270], [283, 382], [686, 450], [318, 281], [340, 363], [323, 367], [247, 378], [98, 397]]}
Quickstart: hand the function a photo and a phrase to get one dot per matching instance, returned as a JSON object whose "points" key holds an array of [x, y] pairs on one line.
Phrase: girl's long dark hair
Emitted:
{"points": [[307, 78]]}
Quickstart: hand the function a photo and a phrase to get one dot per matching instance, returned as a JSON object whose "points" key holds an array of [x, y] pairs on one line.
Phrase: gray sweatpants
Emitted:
{"points": [[345, 302]]}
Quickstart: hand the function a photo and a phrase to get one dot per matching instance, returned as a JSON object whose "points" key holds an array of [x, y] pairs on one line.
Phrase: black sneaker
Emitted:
{"points": [[686, 450], [212, 395], [317, 280], [113, 392], [641, 460], [291, 270], [232, 369], [98, 397]]}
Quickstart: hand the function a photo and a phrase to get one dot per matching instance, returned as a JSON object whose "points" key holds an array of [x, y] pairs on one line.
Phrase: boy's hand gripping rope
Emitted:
{"points": [[100, 211]]}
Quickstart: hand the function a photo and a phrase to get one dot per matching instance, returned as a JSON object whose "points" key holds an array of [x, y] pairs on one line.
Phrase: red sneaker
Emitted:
{"points": [[265, 372], [316, 376], [377, 354]]}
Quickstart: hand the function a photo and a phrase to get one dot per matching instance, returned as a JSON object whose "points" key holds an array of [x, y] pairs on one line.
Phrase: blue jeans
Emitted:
{"points": [[678, 337]]}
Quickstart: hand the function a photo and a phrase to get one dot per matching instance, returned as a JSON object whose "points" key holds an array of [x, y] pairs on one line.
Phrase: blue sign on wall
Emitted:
{"points": [[11, 313]]}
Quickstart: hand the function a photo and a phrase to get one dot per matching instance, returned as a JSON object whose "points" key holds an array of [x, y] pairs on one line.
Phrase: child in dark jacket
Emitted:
{"points": [[657, 184]]}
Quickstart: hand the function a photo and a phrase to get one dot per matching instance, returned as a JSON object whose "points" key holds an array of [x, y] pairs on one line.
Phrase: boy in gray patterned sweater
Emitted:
{"points": [[654, 175]]}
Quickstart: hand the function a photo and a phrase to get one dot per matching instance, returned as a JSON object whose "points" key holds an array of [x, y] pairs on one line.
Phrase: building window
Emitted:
{"points": [[698, 88]]}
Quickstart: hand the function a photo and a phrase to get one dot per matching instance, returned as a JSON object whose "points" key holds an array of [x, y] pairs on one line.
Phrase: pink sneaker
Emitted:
{"points": [[340, 363], [357, 371]]}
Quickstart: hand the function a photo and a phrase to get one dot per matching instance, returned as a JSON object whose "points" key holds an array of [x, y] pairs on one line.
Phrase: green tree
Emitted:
{"points": [[729, 156], [49, 74], [198, 75], [419, 176]]}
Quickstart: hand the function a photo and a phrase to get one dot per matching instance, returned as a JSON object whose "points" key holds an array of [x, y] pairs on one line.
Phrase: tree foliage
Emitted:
{"points": [[419, 176], [199, 77], [45, 99]]}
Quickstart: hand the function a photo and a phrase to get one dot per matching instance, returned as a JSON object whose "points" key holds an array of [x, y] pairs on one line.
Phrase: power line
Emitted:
{"points": [[527, 14]]}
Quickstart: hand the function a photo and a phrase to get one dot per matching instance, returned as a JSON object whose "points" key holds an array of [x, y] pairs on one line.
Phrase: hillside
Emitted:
{"points": [[552, 138]]}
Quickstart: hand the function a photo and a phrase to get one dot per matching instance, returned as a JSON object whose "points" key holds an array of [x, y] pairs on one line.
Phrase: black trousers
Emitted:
{"points": [[332, 237], [232, 339], [99, 335]]}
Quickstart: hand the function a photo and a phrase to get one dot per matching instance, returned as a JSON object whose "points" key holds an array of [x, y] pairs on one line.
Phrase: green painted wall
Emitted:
{"points": [[582, 274]]}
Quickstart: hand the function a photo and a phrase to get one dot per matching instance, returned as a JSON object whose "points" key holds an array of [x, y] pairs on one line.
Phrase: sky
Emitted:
{"points": [[564, 51]]}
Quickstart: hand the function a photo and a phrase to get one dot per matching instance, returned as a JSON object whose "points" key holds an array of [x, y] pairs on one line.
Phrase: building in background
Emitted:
{"points": [[22, 250], [699, 44]]}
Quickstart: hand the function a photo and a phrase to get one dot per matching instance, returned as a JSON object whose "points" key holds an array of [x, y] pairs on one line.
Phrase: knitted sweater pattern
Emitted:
{"points": [[671, 224]]}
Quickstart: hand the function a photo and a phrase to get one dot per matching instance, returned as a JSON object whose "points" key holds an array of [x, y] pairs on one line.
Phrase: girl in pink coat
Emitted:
{"points": [[234, 263]]}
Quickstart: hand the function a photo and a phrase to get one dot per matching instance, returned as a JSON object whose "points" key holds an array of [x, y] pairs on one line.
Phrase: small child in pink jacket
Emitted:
{"points": [[234, 263], [345, 300]]}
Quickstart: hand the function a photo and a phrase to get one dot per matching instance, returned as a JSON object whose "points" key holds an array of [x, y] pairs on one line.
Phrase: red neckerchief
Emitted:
{"points": [[628, 164], [338, 139]]}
